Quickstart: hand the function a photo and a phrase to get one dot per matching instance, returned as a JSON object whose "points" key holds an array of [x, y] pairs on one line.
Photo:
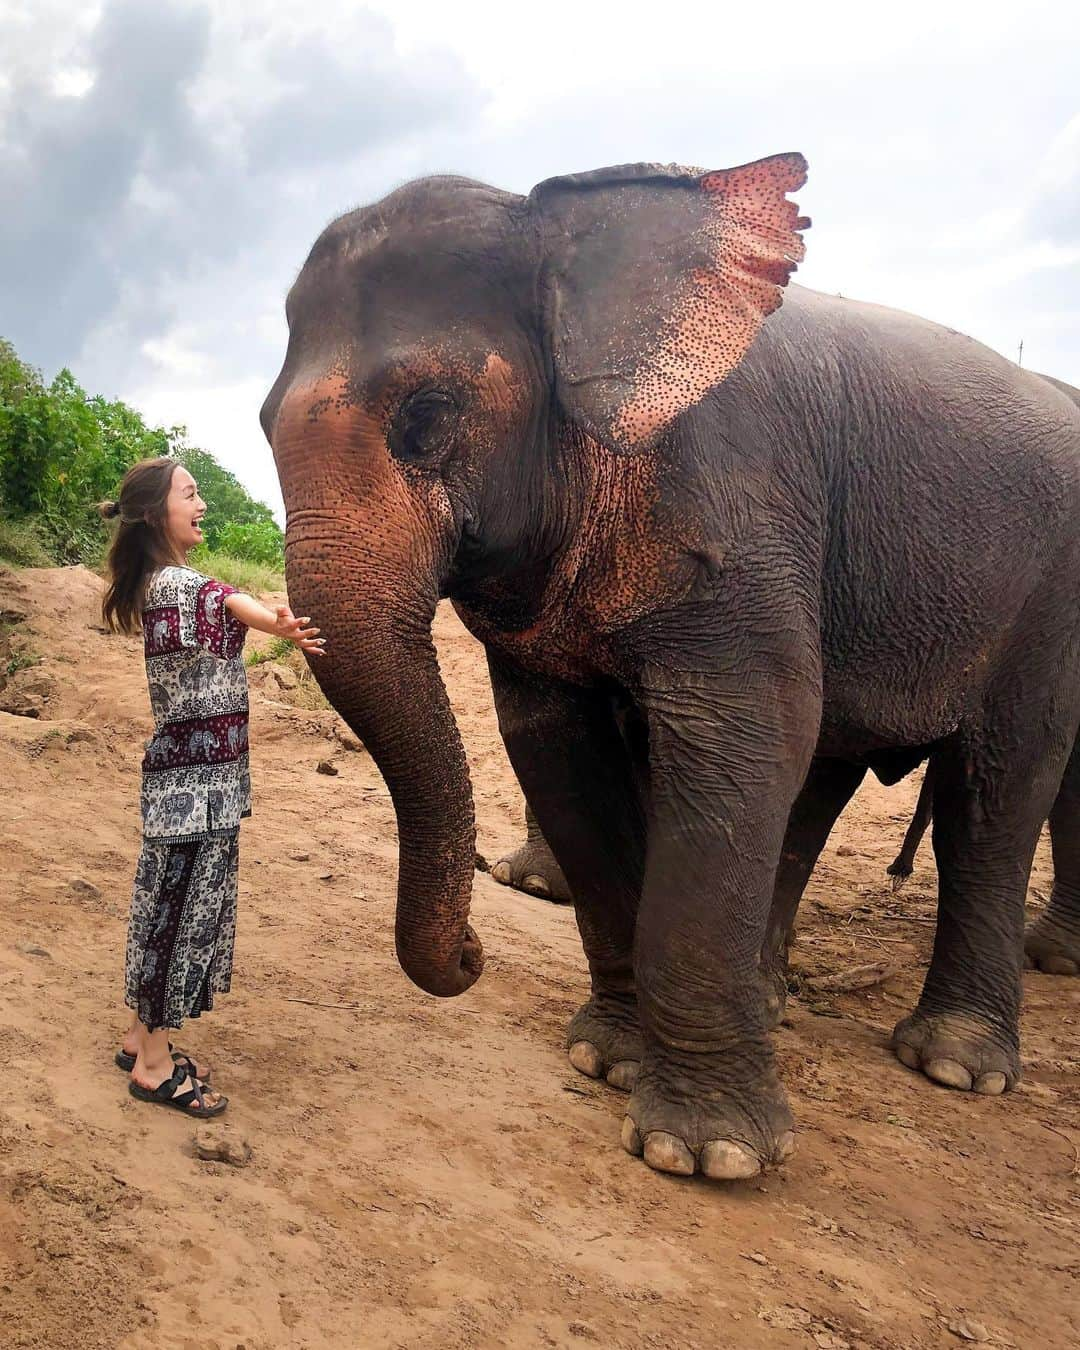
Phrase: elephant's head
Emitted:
{"points": [[448, 348]]}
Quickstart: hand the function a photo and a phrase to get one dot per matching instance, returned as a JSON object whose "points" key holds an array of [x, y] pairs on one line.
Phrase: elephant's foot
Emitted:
{"points": [[604, 1040], [957, 1050], [532, 868], [1050, 947], [723, 1134]]}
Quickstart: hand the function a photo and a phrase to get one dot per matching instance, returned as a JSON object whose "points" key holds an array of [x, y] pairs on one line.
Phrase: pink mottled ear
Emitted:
{"points": [[657, 280]]}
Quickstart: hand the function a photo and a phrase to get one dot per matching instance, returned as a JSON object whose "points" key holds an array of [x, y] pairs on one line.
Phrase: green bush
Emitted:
{"points": [[21, 545], [258, 540], [62, 451]]}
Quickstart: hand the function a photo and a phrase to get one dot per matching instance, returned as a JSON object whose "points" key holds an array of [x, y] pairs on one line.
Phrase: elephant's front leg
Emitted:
{"points": [[728, 753], [577, 772]]}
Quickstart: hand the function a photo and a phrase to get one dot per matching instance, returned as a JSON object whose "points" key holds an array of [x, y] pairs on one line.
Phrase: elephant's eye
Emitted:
{"points": [[423, 427]]}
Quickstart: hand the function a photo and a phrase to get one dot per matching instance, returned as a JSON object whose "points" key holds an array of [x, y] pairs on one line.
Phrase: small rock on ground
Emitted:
{"points": [[217, 1146], [32, 949], [326, 766], [347, 740], [967, 1329]]}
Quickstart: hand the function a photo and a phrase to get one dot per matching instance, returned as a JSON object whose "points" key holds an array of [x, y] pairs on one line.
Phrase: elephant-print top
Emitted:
{"points": [[195, 772]]}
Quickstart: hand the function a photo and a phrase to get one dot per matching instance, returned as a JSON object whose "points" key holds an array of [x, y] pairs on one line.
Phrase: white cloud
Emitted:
{"points": [[72, 82], [174, 358]]}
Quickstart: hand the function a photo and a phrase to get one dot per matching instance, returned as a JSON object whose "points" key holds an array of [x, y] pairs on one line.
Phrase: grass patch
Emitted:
{"points": [[239, 572], [22, 546], [22, 659], [277, 649]]}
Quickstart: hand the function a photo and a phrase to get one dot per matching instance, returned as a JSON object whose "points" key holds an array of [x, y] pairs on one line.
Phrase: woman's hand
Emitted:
{"points": [[288, 626], [281, 622]]}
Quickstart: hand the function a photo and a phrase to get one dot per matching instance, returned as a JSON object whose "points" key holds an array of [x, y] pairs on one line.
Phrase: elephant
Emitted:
{"points": [[203, 743], [775, 527], [159, 635], [903, 864], [1050, 943]]}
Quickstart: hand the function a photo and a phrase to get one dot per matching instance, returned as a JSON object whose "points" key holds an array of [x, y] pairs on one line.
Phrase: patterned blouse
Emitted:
{"points": [[195, 772]]}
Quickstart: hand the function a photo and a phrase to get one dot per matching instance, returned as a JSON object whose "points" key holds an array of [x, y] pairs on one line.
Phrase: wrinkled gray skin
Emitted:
{"points": [[1051, 942], [764, 534]]}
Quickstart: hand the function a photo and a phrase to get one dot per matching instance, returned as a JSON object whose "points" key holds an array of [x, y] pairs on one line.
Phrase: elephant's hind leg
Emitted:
{"points": [[829, 786], [578, 774], [988, 812], [1052, 941], [532, 868]]}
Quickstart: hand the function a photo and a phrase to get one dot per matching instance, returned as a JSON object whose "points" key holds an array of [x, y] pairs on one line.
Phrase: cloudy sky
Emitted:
{"points": [[165, 166]]}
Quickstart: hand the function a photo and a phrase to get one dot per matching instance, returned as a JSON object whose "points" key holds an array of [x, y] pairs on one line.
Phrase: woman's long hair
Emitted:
{"points": [[139, 546]]}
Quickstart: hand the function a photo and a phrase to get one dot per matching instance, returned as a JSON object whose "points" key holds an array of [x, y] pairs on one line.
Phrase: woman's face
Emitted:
{"points": [[184, 508]]}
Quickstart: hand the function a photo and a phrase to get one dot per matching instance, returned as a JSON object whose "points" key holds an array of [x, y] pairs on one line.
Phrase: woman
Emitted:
{"points": [[195, 788]]}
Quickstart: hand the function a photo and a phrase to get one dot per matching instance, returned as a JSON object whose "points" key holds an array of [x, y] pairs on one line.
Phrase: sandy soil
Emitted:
{"points": [[435, 1174]]}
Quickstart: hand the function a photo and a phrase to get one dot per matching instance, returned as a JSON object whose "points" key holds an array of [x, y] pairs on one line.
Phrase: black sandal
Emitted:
{"points": [[125, 1061], [192, 1102]]}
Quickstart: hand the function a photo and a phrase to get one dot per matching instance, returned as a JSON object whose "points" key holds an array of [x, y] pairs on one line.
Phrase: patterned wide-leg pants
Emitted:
{"points": [[182, 928]]}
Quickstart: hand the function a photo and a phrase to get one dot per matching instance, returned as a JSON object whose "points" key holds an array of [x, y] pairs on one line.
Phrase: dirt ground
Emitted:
{"points": [[430, 1174]]}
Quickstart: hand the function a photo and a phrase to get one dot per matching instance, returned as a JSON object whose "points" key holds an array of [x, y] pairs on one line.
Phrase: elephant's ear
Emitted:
{"points": [[657, 280]]}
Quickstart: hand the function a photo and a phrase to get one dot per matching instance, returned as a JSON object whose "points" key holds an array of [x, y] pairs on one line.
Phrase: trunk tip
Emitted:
{"points": [[451, 980]]}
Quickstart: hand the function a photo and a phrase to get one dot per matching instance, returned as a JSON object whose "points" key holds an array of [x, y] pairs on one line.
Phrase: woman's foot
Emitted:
{"points": [[155, 1077], [179, 1091]]}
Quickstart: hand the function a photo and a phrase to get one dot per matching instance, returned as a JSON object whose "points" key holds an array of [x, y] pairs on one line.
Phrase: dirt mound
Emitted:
{"points": [[434, 1174]]}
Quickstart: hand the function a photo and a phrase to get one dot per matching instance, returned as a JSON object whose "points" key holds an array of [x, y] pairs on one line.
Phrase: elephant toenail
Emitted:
{"points": [[948, 1072], [991, 1084], [785, 1146], [623, 1075], [631, 1139], [501, 873], [724, 1160], [585, 1057], [536, 885], [907, 1055], [667, 1153]]}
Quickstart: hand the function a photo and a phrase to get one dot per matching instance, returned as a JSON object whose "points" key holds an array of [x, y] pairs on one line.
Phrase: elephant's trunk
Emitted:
{"points": [[382, 675]]}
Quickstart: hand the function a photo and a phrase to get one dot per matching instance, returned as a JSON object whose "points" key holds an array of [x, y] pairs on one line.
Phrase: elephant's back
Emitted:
{"points": [[882, 398], [949, 485], [893, 351]]}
